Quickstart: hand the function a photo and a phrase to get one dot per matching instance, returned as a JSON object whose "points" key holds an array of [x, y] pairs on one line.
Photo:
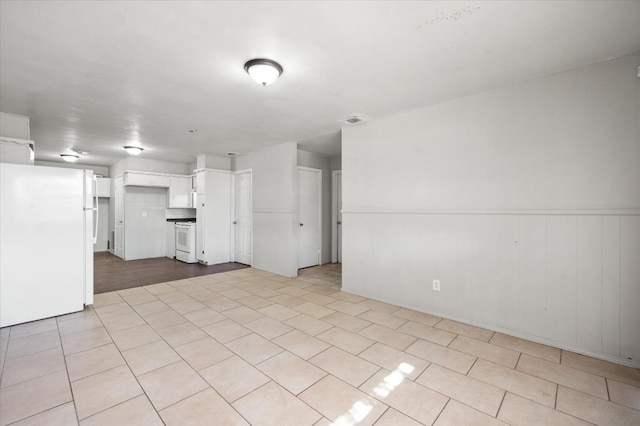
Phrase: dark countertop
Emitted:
{"points": [[193, 219]]}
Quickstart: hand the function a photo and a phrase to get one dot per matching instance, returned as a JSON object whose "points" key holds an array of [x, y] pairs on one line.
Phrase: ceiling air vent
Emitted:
{"points": [[356, 118]]}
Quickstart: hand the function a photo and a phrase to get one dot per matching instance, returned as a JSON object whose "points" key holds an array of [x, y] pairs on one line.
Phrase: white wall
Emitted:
{"points": [[336, 162], [146, 225], [14, 126], [274, 192], [523, 201], [322, 162], [103, 225], [207, 161]]}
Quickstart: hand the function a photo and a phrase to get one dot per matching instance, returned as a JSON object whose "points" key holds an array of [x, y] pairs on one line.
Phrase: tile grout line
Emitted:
{"points": [[504, 396], [226, 347], [181, 360], [128, 367], [187, 321], [67, 374]]}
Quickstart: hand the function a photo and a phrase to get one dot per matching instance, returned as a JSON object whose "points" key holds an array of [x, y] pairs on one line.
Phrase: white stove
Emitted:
{"points": [[186, 242]]}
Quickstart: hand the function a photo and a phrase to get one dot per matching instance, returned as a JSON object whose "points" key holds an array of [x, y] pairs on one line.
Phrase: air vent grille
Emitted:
{"points": [[356, 118]]}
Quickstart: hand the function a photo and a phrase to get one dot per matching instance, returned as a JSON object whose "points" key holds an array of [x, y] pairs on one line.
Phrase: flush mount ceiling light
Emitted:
{"points": [[70, 157], [133, 150], [263, 71]]}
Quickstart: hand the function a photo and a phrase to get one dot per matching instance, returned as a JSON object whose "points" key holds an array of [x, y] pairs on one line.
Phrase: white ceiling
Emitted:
{"points": [[100, 75]]}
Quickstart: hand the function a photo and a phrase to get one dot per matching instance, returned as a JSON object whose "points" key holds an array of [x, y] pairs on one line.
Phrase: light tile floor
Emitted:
{"points": [[249, 347]]}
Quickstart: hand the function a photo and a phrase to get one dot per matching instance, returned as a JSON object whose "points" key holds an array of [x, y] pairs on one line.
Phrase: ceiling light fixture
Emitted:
{"points": [[133, 150], [70, 157], [263, 71]]}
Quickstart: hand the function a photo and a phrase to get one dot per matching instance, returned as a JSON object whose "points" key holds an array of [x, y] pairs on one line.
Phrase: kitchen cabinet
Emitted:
{"points": [[16, 151], [132, 178], [213, 216], [104, 187], [179, 194]]}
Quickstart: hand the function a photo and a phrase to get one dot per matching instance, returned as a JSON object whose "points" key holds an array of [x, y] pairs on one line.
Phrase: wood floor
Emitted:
{"points": [[112, 273]]}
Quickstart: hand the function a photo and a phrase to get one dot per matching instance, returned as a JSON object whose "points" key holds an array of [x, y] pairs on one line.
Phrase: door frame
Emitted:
{"points": [[319, 172], [334, 214], [233, 212]]}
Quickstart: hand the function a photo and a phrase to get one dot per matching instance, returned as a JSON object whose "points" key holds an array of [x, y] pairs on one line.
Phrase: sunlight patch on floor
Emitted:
{"points": [[362, 408]]}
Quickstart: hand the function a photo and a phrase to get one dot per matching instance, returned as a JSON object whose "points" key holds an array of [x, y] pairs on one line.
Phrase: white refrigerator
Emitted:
{"points": [[48, 219]]}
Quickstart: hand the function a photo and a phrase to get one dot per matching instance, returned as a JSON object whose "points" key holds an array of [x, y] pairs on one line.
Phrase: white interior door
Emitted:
{"points": [[309, 216], [242, 221], [119, 210], [339, 214]]}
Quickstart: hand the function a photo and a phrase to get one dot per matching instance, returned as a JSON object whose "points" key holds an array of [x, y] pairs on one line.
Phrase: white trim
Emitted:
{"points": [[334, 215], [213, 170], [530, 337], [17, 141], [262, 211]]}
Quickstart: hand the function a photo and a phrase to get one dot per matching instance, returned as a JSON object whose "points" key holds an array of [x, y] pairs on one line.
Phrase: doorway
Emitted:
{"points": [[242, 222], [309, 216]]}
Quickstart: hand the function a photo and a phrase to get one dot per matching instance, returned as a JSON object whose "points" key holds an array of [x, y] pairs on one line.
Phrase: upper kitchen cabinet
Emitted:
{"points": [[16, 145], [179, 194], [104, 187], [16, 151], [147, 179]]}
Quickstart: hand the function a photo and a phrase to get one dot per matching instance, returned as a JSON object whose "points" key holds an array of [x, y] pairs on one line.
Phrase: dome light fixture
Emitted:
{"points": [[133, 150], [71, 158], [263, 71]]}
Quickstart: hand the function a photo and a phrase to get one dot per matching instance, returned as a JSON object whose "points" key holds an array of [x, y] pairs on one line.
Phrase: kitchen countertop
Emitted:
{"points": [[193, 219]]}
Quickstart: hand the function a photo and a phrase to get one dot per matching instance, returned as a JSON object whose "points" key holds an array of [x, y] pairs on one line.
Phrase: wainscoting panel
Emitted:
{"points": [[568, 280]]}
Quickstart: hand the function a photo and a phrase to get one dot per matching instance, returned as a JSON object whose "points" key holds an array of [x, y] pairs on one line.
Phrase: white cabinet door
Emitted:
{"points": [[104, 187], [180, 192]]}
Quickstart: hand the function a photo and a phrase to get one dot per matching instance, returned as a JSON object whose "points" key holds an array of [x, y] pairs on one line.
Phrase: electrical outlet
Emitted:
{"points": [[436, 285]]}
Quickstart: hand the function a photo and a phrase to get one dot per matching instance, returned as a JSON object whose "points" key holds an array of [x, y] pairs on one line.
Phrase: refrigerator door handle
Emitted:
{"points": [[95, 208]]}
